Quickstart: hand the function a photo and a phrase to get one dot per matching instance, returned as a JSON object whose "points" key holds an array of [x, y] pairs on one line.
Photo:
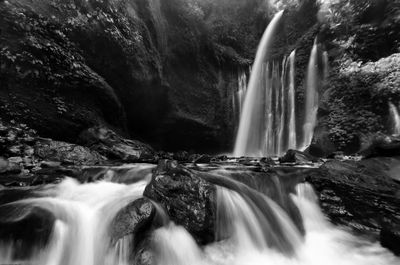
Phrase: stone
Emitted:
{"points": [[113, 146], [187, 198], [132, 218], [66, 153], [294, 156]]}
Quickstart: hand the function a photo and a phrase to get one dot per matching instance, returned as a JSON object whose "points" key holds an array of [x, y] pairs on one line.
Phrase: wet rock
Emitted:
{"points": [[390, 237], [66, 153], [50, 164], [181, 156], [30, 226], [113, 146], [203, 159], [132, 218], [387, 146], [357, 194], [188, 199], [294, 156]]}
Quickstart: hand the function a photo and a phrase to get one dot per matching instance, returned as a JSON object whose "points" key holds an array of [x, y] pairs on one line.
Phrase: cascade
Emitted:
{"points": [[311, 97], [251, 228], [292, 141], [250, 140], [394, 114]]}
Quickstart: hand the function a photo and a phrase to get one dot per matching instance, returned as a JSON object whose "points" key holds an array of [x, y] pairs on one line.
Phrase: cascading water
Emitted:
{"points": [[83, 214], [394, 114], [251, 228], [242, 87], [311, 97], [250, 140], [292, 142]]}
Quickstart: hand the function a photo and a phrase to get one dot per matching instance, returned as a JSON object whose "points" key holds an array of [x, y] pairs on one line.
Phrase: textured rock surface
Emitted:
{"points": [[113, 146], [188, 199], [132, 218], [360, 195]]}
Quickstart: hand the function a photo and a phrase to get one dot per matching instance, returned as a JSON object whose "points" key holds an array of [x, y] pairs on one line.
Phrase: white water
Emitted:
{"points": [[250, 140], [292, 142], [242, 87], [248, 234], [394, 114], [311, 97], [83, 213], [323, 243]]}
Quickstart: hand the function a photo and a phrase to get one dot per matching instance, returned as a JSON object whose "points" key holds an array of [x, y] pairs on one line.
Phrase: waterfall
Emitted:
{"points": [[311, 97], [242, 87], [251, 229], [292, 141], [249, 140], [394, 114]]}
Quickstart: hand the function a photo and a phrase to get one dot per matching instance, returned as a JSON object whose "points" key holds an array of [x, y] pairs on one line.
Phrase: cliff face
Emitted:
{"points": [[160, 71]]}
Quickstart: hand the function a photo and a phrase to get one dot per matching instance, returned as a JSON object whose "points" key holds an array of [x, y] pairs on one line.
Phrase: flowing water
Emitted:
{"points": [[311, 97], [252, 226], [250, 139], [394, 114]]}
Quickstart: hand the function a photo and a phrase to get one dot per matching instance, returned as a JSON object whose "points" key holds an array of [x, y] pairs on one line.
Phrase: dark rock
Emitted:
{"points": [[30, 226], [3, 165], [267, 161], [132, 218], [390, 237], [294, 156], [188, 199], [203, 159], [382, 146], [66, 153], [113, 146], [181, 156], [359, 195]]}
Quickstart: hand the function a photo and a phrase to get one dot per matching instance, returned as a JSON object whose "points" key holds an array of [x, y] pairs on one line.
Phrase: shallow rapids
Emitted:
{"points": [[245, 233]]}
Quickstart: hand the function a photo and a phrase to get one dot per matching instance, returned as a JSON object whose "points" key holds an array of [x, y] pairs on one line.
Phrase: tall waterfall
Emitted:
{"points": [[394, 114], [250, 139], [292, 143], [311, 97]]}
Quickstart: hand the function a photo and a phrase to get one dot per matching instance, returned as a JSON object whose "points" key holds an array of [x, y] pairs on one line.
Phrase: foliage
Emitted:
{"points": [[358, 99]]}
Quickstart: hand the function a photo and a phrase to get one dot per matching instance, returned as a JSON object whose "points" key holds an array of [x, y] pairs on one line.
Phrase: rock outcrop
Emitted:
{"points": [[187, 198], [360, 195]]}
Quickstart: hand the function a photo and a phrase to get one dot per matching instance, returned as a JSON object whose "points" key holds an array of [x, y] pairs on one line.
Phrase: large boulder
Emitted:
{"points": [[360, 195], [132, 218], [381, 145], [187, 198], [298, 157], [47, 149], [113, 146]]}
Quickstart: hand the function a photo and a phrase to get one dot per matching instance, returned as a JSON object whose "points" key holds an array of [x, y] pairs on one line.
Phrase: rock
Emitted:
{"points": [[132, 218], [113, 146], [15, 160], [188, 199], [390, 237], [294, 156], [203, 159], [267, 161], [181, 156], [357, 194], [387, 146], [50, 164], [30, 226], [66, 153]]}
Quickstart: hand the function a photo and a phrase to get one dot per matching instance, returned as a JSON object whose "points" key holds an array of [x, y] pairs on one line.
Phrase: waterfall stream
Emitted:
{"points": [[251, 228], [394, 114]]}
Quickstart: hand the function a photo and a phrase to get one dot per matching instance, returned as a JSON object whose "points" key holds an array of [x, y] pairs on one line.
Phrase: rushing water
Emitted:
{"points": [[394, 114], [311, 97], [250, 139], [250, 227]]}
